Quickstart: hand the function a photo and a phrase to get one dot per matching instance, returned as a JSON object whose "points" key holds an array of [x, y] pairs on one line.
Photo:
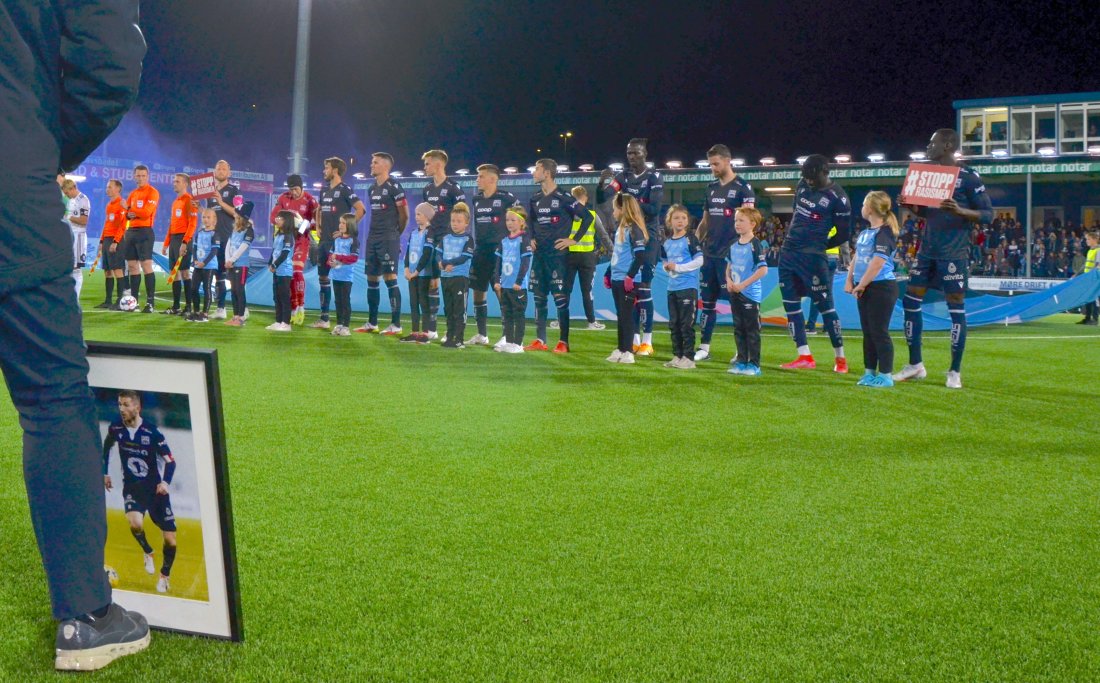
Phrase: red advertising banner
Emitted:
{"points": [[202, 186], [928, 184]]}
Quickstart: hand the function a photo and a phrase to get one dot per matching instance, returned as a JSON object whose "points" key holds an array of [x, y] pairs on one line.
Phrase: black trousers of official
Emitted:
{"points": [[341, 290], [876, 305], [624, 312], [582, 264], [455, 292], [681, 321], [46, 369], [746, 328], [281, 286], [513, 314]]}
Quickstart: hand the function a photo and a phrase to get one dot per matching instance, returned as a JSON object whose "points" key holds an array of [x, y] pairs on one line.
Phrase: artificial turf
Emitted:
{"points": [[418, 513]]}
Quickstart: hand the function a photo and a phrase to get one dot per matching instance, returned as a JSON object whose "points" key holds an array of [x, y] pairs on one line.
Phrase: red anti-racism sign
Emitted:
{"points": [[928, 184], [203, 186]]}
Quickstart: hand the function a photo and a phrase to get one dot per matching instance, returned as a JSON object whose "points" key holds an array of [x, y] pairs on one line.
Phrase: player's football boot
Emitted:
{"points": [[162, 583], [561, 347], [752, 370], [737, 368], [150, 566], [881, 381], [367, 328], [596, 325], [644, 350], [868, 376], [910, 372], [148, 307], [89, 643], [478, 340], [702, 355], [954, 380], [840, 366], [537, 345], [391, 331], [800, 363]]}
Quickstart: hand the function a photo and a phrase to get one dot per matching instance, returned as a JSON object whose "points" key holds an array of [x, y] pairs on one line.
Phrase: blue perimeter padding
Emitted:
{"points": [[982, 309]]}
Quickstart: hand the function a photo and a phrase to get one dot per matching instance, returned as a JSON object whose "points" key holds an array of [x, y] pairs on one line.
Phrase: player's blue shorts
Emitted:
{"points": [[712, 278], [145, 499], [947, 275], [382, 255], [548, 272], [802, 274]]}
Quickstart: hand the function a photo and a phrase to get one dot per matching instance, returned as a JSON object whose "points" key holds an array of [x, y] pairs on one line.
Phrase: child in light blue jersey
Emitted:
{"points": [[510, 279], [206, 249], [745, 266], [871, 280], [456, 251], [344, 254], [281, 266], [682, 260]]}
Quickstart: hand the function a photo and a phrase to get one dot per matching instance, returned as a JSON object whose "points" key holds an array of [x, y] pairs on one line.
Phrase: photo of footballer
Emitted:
{"points": [[154, 532]]}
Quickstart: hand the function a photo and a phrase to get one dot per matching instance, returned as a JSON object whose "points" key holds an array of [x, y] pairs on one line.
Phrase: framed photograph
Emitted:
{"points": [[170, 552]]}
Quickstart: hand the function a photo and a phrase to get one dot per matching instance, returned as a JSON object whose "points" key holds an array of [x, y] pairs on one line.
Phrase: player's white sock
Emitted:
{"points": [[704, 347], [637, 340], [804, 351], [647, 337], [839, 352]]}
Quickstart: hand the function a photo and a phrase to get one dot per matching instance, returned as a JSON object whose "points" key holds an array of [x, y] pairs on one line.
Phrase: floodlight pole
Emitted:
{"points": [[301, 90]]}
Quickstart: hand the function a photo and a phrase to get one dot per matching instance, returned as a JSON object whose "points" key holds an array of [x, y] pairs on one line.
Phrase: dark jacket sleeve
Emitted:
{"points": [[101, 52]]}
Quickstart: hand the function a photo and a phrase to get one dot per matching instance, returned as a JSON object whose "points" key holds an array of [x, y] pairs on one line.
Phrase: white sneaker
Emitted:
{"points": [[627, 358], [246, 314], [615, 356], [686, 364], [432, 336], [219, 314], [368, 328], [478, 340], [674, 363], [910, 372], [273, 327], [391, 330], [701, 355], [513, 348], [320, 325], [503, 341], [345, 331], [149, 566], [282, 327], [954, 380], [162, 584], [336, 330], [596, 325], [500, 348]]}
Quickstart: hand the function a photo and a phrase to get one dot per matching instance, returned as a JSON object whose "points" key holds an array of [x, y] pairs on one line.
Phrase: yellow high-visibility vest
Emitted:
{"points": [[1090, 258], [835, 251], [588, 241]]}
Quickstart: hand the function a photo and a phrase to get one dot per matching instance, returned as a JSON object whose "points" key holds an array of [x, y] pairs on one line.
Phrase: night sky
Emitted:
{"points": [[494, 81]]}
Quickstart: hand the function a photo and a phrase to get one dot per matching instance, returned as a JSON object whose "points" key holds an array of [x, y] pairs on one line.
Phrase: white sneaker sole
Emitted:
{"points": [[96, 657]]}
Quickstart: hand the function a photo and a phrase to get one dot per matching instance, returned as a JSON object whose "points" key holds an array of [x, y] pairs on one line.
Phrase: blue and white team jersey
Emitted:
{"points": [[343, 246], [874, 243], [280, 246], [143, 451], [815, 214], [745, 258], [627, 244], [456, 250], [420, 242], [512, 254], [240, 241], [206, 246], [681, 251], [947, 236]]}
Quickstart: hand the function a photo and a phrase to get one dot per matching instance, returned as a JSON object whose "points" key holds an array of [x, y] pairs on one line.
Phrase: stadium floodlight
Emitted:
{"points": [[1000, 153], [76, 178], [650, 164], [359, 176], [317, 186], [563, 168], [418, 174], [396, 174], [1047, 151], [463, 171], [876, 157], [673, 164], [843, 158], [958, 154], [802, 159], [918, 156], [530, 169], [777, 189], [702, 163], [1094, 149], [511, 169], [737, 161], [767, 161], [615, 166], [587, 168]]}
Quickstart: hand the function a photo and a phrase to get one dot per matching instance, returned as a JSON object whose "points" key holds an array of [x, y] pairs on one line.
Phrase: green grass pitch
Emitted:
{"points": [[408, 513]]}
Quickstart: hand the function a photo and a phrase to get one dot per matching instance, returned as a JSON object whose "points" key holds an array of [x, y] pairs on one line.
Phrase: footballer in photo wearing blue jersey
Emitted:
{"points": [[147, 469], [647, 186], [456, 251], [682, 260], [744, 270], [337, 199], [514, 255], [490, 208], [389, 214], [716, 233], [871, 280], [819, 206], [943, 258], [550, 216]]}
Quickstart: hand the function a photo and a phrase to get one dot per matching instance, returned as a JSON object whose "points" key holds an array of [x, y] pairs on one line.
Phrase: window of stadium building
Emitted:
{"points": [[1033, 128], [1092, 123], [1072, 133], [984, 130]]}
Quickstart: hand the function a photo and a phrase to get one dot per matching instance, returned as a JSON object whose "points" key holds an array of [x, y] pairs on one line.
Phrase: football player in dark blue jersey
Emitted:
{"points": [[337, 199], [490, 208], [648, 187], [142, 450], [819, 206], [389, 214], [943, 259]]}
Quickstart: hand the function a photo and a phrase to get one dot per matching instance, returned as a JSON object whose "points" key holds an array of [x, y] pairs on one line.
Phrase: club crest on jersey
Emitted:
{"points": [[824, 202], [555, 204], [336, 194], [496, 203], [179, 212], [140, 203], [443, 193], [817, 280], [951, 268], [144, 441]]}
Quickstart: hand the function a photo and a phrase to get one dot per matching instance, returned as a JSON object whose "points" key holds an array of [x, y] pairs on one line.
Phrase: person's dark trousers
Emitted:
{"points": [[811, 319], [220, 280], [513, 308], [455, 291], [875, 308], [624, 312], [342, 291], [281, 284], [583, 264], [746, 328], [46, 370], [681, 322], [239, 276], [415, 303], [1091, 311]]}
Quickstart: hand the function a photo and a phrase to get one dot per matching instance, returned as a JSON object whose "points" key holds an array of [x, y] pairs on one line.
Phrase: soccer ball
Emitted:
{"points": [[112, 575], [128, 303]]}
